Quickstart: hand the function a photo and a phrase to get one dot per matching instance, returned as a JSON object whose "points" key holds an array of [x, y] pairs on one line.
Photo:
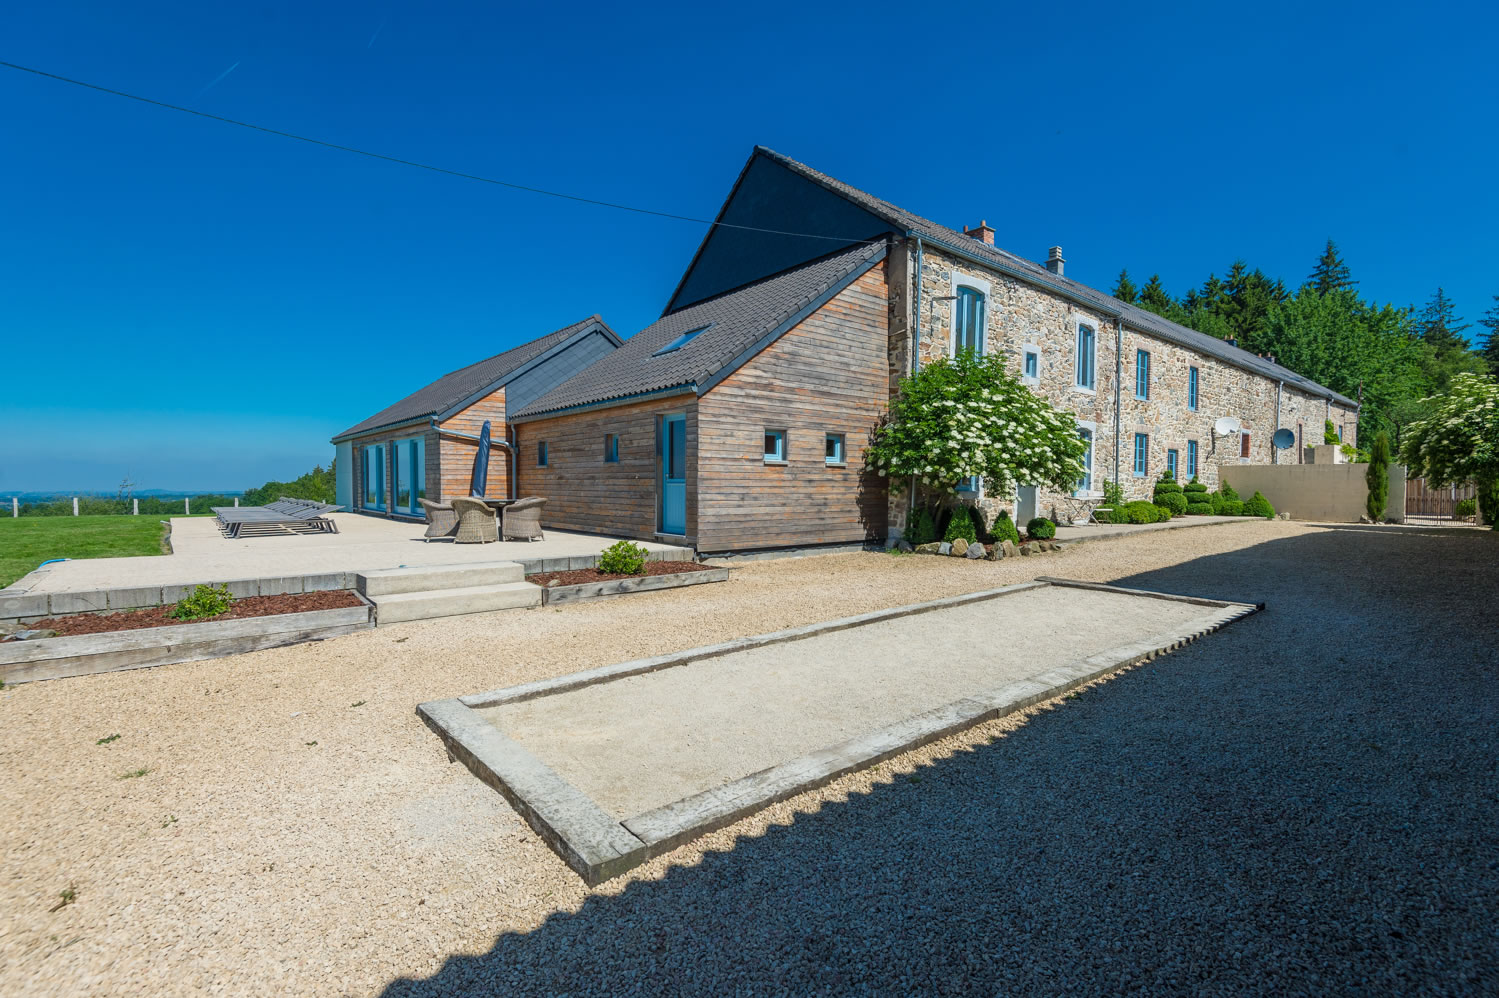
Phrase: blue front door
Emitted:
{"points": [[673, 449]]}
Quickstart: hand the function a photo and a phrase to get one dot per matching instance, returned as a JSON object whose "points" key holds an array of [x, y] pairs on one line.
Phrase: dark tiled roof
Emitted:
{"points": [[1134, 317], [736, 321], [451, 389]]}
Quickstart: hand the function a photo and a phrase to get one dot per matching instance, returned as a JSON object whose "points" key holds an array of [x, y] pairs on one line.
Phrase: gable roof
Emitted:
{"points": [[457, 388], [738, 324], [1027, 270]]}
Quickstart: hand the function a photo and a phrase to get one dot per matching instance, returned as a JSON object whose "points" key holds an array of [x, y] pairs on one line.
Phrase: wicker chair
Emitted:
{"points": [[523, 520], [441, 520], [476, 522]]}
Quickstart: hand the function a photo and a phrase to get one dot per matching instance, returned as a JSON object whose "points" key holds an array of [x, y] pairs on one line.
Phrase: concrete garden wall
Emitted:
{"points": [[1329, 492]]}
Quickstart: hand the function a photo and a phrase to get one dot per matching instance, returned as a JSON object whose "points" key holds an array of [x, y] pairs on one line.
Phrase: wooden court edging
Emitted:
{"points": [[598, 847]]}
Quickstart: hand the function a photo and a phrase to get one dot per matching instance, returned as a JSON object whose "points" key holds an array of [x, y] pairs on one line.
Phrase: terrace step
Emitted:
{"points": [[391, 608], [433, 577]]}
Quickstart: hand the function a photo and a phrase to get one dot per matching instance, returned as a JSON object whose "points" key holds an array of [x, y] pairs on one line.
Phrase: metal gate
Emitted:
{"points": [[1436, 504]]}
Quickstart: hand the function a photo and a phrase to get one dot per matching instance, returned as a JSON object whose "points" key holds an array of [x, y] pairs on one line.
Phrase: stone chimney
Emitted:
{"points": [[981, 232], [1054, 261]]}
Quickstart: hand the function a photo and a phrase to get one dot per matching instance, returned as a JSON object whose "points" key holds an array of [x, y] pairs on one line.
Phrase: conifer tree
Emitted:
{"points": [[1124, 288], [1440, 326], [1331, 273], [1154, 298], [1490, 321], [1378, 477]]}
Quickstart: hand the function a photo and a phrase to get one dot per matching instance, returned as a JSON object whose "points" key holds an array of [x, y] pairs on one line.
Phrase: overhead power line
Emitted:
{"points": [[418, 165]]}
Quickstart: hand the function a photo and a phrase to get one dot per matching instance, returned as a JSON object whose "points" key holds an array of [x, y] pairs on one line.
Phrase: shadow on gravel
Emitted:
{"points": [[1302, 803]]}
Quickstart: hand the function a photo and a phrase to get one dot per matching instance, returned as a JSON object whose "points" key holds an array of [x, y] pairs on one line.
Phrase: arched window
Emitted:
{"points": [[968, 324]]}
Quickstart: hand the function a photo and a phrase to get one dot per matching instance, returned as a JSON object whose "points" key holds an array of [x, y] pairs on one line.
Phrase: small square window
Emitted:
{"points": [[541, 454], [833, 449], [775, 446], [611, 448]]}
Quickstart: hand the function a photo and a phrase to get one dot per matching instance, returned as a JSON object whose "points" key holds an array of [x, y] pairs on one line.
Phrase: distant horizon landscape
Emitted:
{"points": [[41, 495]]}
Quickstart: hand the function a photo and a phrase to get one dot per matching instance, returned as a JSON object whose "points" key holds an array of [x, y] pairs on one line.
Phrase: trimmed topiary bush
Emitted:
{"points": [[1194, 486], [1233, 507], [1174, 501], [1004, 528], [960, 524], [1216, 500], [1228, 491], [1199, 509], [1378, 477], [623, 558], [1139, 512], [922, 529], [1258, 505], [1041, 529]]}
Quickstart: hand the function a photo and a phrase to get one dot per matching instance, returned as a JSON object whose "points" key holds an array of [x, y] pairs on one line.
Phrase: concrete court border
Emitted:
{"points": [[598, 847]]}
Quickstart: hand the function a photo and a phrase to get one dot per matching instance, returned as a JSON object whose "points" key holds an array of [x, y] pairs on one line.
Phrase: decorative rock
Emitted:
{"points": [[930, 548], [1027, 548], [1007, 549], [944, 548], [958, 548], [1282, 516], [975, 551], [33, 634], [904, 546]]}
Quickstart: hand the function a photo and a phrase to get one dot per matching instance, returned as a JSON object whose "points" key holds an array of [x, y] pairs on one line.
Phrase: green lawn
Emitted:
{"points": [[30, 540]]}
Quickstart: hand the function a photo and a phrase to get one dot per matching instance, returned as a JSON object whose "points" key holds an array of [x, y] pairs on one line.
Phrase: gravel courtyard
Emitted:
{"points": [[1305, 804]]}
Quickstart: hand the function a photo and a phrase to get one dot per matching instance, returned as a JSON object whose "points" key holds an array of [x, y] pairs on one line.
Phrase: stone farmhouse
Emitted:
{"points": [[737, 421]]}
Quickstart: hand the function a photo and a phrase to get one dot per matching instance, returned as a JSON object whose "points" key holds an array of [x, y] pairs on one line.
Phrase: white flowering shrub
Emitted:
{"points": [[1457, 440], [968, 416]]}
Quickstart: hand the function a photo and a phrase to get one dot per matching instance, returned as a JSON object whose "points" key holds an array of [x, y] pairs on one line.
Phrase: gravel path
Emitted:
{"points": [[1304, 804]]}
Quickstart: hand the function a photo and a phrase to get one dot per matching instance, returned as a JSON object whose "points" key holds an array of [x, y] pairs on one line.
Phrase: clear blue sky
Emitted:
{"points": [[141, 244]]}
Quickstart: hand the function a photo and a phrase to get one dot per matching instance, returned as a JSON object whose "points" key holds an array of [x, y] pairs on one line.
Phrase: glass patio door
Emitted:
{"points": [[673, 453]]}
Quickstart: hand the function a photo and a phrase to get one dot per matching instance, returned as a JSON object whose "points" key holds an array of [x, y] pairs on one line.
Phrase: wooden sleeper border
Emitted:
{"points": [[111, 651]]}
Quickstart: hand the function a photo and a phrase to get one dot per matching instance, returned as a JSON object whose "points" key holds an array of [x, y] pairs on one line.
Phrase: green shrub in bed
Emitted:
{"points": [[1004, 528], [1174, 501], [1258, 505], [1199, 509], [205, 602], [1194, 486], [623, 558], [1233, 507], [1041, 529], [960, 524]]}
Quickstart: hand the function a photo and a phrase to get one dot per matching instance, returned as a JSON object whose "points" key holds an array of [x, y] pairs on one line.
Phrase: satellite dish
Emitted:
{"points": [[1283, 439], [1226, 425]]}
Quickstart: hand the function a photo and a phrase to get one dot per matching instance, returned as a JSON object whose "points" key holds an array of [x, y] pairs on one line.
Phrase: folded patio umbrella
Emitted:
{"points": [[481, 464]]}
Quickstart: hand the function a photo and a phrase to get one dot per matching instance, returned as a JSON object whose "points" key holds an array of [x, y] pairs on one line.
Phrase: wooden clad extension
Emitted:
{"points": [[588, 494], [829, 374], [456, 457]]}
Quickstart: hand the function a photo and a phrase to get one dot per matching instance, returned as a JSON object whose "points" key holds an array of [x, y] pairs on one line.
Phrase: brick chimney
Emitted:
{"points": [[981, 232], [1054, 261]]}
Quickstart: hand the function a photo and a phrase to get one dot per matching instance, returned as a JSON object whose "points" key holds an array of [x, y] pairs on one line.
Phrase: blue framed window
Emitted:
{"points": [[1031, 368], [1087, 340], [1192, 389], [1085, 483], [968, 328], [611, 448], [833, 449], [1142, 454], [972, 485], [1142, 374], [1191, 459], [410, 465], [374, 476], [1171, 457], [681, 341], [541, 454], [775, 446]]}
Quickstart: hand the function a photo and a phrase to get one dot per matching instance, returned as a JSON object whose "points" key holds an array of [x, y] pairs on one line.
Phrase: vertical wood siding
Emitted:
{"points": [[830, 374], [455, 458]]}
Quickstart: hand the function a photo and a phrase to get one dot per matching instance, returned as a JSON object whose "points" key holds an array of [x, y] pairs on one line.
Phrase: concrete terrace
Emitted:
{"points": [[201, 554]]}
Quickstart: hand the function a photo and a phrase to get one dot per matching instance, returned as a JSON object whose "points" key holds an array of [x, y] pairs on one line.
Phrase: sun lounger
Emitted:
{"points": [[284, 516]]}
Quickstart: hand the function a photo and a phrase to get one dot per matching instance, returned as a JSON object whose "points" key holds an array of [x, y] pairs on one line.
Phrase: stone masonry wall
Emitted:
{"points": [[1021, 315]]}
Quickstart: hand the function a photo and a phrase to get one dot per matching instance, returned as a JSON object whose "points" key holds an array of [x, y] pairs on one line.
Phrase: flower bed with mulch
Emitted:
{"points": [[579, 576], [159, 616]]}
